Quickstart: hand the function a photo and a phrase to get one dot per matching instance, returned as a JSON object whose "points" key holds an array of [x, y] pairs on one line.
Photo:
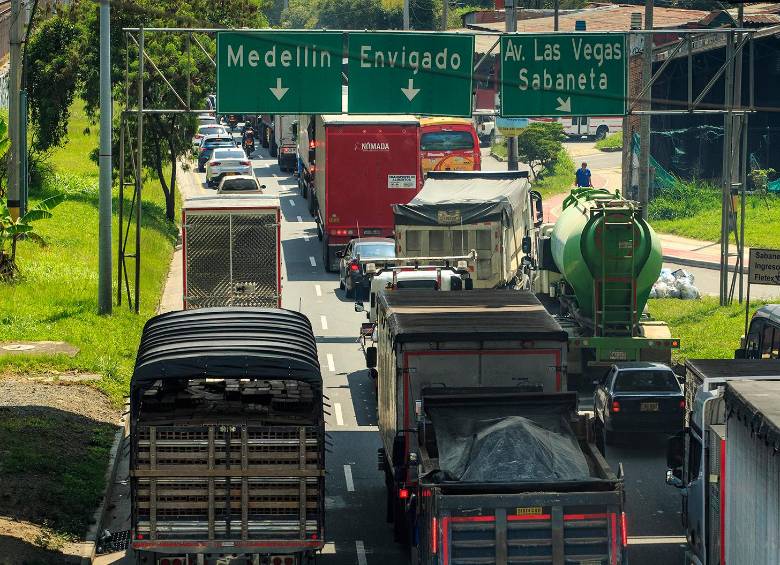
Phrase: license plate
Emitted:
{"points": [[528, 511], [230, 173], [649, 407], [618, 355]]}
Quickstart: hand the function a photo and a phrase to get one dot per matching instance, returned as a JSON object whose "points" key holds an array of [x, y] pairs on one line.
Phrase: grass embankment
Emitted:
{"points": [[559, 179], [613, 142], [692, 209], [53, 461], [56, 296], [498, 150], [706, 329]]}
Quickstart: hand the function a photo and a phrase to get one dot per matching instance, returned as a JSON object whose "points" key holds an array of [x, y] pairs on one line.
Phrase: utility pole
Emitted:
{"points": [[14, 99], [644, 119], [556, 8], [105, 180], [406, 14], [445, 14], [511, 27]]}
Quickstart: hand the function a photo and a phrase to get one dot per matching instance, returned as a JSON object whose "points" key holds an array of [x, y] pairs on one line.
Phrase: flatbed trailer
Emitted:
{"points": [[227, 439]]}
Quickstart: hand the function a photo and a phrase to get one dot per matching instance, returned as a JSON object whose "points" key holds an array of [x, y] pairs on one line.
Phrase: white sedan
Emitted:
{"points": [[207, 129], [227, 161]]}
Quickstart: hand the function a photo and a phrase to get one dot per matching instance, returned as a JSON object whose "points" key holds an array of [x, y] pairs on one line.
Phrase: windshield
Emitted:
{"points": [[215, 142], [375, 250], [211, 130], [446, 141], [229, 154], [646, 381], [238, 184]]}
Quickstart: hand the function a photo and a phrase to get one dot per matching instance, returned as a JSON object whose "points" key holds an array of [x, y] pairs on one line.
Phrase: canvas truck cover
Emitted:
{"points": [[480, 314], [230, 343], [465, 197]]}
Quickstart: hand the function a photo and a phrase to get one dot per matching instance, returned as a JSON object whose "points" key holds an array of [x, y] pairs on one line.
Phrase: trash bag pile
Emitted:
{"points": [[675, 284]]}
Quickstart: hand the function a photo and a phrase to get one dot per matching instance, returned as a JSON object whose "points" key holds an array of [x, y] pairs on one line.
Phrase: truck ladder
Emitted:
{"points": [[615, 301]]}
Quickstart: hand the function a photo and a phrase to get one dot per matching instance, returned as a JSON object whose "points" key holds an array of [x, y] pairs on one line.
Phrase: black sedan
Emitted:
{"points": [[638, 397], [356, 255]]}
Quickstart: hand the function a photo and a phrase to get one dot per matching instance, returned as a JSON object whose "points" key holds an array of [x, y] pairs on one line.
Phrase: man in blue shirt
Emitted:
{"points": [[583, 176]]}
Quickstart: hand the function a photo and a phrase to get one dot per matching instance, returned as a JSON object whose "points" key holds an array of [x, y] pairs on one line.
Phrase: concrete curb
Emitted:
{"points": [[498, 158], [695, 263], [115, 455]]}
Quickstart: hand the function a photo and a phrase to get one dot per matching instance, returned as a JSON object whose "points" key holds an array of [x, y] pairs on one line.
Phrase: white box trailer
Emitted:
{"points": [[752, 490], [231, 247], [457, 211]]}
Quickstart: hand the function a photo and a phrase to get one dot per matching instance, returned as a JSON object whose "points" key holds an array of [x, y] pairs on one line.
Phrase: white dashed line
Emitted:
{"points": [[329, 549], [331, 365], [361, 552], [292, 202], [324, 322], [312, 261], [300, 219], [306, 238], [318, 290], [339, 415], [348, 477]]}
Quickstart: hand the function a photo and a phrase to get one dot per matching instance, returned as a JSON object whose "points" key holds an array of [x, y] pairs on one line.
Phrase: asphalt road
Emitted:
{"points": [[355, 528]]}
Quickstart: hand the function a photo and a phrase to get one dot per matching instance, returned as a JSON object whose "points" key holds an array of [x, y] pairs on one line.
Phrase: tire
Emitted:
{"points": [[312, 205], [599, 433], [609, 437], [349, 290], [601, 132], [273, 149], [341, 284]]}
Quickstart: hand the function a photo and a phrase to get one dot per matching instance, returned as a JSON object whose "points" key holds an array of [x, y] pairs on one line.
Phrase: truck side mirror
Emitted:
{"points": [[526, 245], [359, 307], [340, 253], [468, 284], [538, 210], [371, 357], [672, 479]]}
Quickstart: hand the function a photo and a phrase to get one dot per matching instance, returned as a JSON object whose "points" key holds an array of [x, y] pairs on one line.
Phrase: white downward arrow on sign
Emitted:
{"points": [[564, 106], [410, 92], [279, 92]]}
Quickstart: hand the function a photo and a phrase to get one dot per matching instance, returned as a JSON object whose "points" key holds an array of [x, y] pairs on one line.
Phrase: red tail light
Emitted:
{"points": [[245, 163], [354, 267], [623, 530], [682, 404], [434, 536], [311, 144], [312, 169], [216, 163], [615, 406], [403, 493]]}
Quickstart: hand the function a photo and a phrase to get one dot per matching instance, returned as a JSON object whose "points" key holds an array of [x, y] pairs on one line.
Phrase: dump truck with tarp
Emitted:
{"points": [[595, 267], [227, 439], [505, 476], [231, 250], [455, 212], [429, 339]]}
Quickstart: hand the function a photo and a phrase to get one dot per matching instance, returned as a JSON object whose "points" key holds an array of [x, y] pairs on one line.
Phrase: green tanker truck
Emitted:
{"points": [[595, 268]]}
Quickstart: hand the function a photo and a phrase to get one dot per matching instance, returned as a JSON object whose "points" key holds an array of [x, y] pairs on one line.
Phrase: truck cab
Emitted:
{"points": [[696, 456]]}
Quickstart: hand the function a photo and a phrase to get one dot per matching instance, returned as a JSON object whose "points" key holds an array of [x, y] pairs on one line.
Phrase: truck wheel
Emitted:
{"points": [[302, 188], [349, 290], [599, 438], [609, 437], [601, 132], [312, 204], [273, 149]]}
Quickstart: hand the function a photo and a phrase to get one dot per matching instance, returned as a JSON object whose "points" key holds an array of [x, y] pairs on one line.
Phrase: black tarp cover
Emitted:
{"points": [[228, 343], [756, 404], [455, 197]]}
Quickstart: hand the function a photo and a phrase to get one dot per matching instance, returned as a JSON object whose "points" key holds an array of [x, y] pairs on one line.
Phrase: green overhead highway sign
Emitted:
{"points": [[279, 72], [410, 73], [563, 74]]}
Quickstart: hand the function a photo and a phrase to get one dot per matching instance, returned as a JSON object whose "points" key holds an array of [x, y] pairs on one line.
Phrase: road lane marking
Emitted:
{"points": [[331, 365], [306, 238], [299, 218], [312, 261], [292, 202], [329, 548], [361, 552], [339, 415], [318, 289], [348, 477], [655, 540], [324, 322]]}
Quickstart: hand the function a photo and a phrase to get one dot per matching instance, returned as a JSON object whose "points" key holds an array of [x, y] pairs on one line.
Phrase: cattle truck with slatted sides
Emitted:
{"points": [[485, 457], [227, 439], [231, 251]]}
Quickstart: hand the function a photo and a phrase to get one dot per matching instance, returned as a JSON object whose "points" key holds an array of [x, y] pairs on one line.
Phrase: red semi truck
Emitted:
{"points": [[363, 165]]}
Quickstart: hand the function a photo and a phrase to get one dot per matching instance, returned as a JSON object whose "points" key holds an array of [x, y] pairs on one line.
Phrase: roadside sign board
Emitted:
{"points": [[511, 126], [764, 266], [563, 74], [279, 72], [410, 73]]}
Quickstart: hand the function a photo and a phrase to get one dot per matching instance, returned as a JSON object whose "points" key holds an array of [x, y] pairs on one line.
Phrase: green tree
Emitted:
{"points": [[353, 14], [539, 144], [52, 79], [421, 15], [300, 14]]}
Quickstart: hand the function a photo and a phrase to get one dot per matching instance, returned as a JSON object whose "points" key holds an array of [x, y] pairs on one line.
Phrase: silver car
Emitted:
{"points": [[226, 161], [206, 130]]}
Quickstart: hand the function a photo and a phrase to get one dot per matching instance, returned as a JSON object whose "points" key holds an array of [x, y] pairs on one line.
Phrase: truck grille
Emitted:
{"points": [[530, 539], [222, 482], [231, 260]]}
